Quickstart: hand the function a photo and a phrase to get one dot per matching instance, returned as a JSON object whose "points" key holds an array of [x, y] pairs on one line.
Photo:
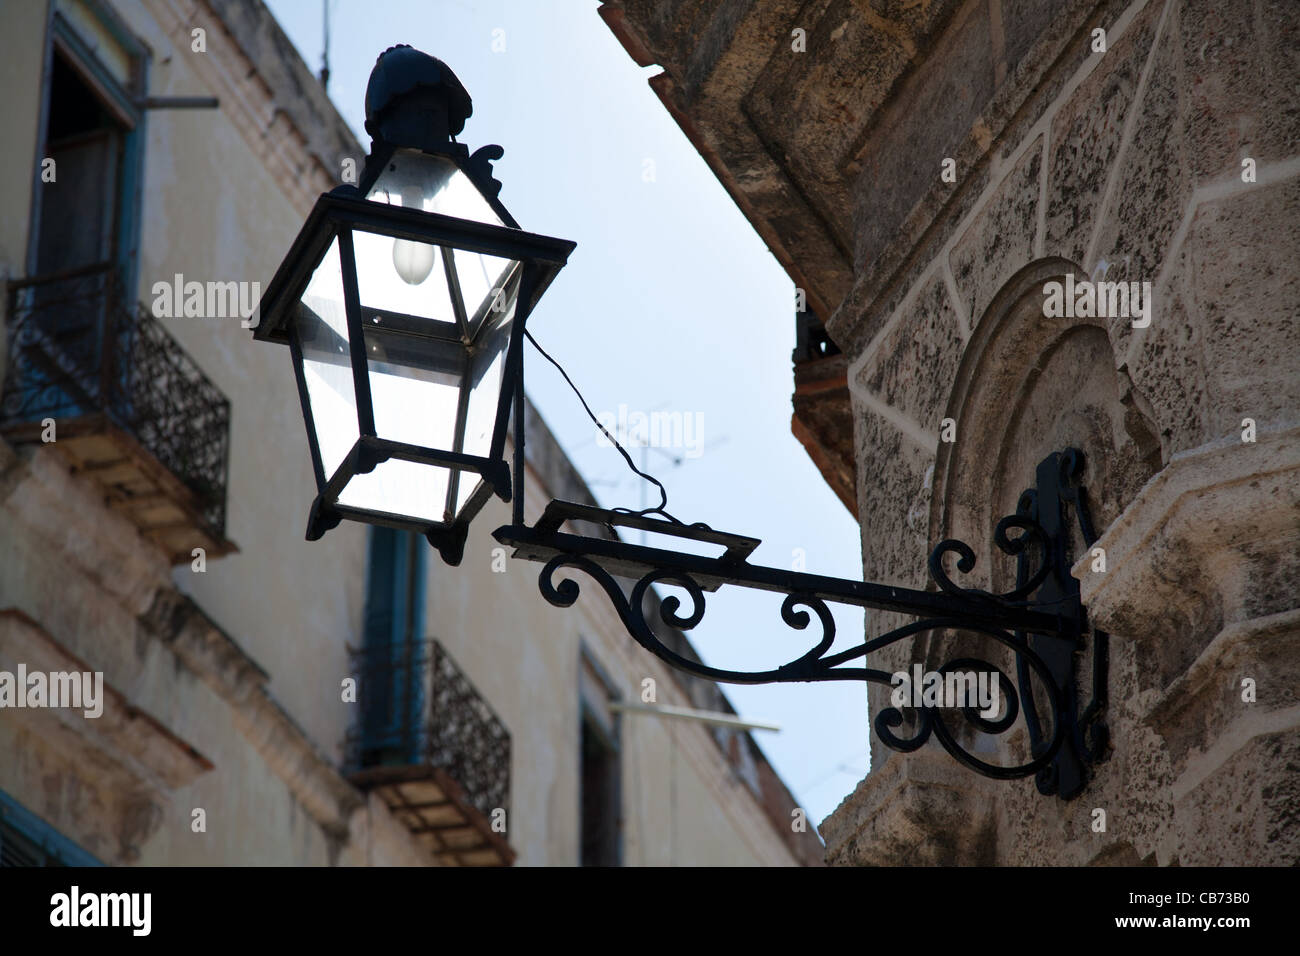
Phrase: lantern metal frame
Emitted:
{"points": [[338, 214]]}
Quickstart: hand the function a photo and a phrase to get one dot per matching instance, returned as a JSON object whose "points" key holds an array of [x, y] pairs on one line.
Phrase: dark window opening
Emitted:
{"points": [[395, 662], [601, 824], [79, 210]]}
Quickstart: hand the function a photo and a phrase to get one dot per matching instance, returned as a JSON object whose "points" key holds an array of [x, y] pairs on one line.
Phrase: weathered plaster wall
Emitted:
{"points": [[682, 803], [89, 579], [227, 682], [90, 588], [216, 210], [691, 794]]}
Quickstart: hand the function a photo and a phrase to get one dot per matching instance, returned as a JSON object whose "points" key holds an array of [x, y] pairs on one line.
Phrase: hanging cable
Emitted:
{"points": [[662, 509]]}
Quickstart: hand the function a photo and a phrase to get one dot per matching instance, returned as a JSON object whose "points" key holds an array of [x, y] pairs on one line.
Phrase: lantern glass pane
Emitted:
{"points": [[322, 330], [487, 365], [415, 392], [483, 279], [404, 488], [416, 180], [486, 368], [469, 483], [403, 276], [415, 386]]}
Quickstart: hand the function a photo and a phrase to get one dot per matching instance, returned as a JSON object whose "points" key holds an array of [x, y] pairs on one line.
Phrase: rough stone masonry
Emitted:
{"points": [[1120, 141]]}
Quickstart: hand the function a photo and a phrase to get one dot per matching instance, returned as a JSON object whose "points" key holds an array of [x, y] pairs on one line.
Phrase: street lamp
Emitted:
{"points": [[404, 300]]}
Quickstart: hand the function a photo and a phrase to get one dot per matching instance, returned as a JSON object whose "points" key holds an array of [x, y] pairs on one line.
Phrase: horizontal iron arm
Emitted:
{"points": [[632, 561]]}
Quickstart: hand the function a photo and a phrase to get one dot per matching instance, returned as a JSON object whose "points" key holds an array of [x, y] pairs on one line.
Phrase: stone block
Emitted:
{"points": [[1247, 813], [811, 105], [1023, 22], [1086, 134], [670, 27], [912, 368], [884, 282], [901, 161], [1000, 241], [1151, 195], [893, 483], [1167, 367], [1193, 711], [920, 18], [1245, 286], [918, 809], [1241, 78], [1036, 78]]}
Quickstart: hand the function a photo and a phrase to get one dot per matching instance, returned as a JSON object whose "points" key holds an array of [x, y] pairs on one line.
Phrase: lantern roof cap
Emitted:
{"points": [[413, 99]]}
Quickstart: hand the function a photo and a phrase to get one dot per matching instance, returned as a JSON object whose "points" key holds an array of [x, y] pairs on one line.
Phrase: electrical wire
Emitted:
{"points": [[662, 508]]}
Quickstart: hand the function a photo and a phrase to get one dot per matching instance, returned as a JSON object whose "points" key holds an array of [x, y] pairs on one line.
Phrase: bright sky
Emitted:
{"points": [[670, 303]]}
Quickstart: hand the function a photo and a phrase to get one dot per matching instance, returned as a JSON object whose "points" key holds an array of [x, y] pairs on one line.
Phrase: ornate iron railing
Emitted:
{"points": [[417, 708], [78, 345]]}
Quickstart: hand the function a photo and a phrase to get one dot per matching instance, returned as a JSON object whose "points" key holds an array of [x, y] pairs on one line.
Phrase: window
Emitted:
{"points": [[82, 251], [27, 840], [79, 209], [88, 215], [600, 770], [394, 653]]}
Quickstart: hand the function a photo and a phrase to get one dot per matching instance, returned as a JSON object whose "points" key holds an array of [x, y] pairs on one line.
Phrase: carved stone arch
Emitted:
{"points": [[1028, 385]]}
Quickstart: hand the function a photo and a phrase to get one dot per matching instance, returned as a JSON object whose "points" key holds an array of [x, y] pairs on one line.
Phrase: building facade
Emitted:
{"points": [[926, 172], [252, 698]]}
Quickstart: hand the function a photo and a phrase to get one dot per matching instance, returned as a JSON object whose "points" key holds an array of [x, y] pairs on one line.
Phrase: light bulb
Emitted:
{"points": [[412, 260]]}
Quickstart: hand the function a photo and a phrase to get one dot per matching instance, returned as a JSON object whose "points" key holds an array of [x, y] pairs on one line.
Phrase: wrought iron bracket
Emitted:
{"points": [[1041, 622]]}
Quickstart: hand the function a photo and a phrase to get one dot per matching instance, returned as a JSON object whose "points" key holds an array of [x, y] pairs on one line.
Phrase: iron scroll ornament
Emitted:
{"points": [[1041, 621]]}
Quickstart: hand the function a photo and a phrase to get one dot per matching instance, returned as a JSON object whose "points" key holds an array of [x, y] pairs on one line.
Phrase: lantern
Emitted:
{"points": [[403, 301]]}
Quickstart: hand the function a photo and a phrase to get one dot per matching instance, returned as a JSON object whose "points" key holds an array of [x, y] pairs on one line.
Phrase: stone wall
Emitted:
{"points": [[1118, 163], [224, 687]]}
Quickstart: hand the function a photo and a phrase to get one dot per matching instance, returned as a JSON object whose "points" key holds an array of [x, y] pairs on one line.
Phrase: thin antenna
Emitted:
{"points": [[325, 54]]}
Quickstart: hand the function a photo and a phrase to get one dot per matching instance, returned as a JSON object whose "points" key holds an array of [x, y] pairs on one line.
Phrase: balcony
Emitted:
{"points": [[133, 412], [433, 750]]}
